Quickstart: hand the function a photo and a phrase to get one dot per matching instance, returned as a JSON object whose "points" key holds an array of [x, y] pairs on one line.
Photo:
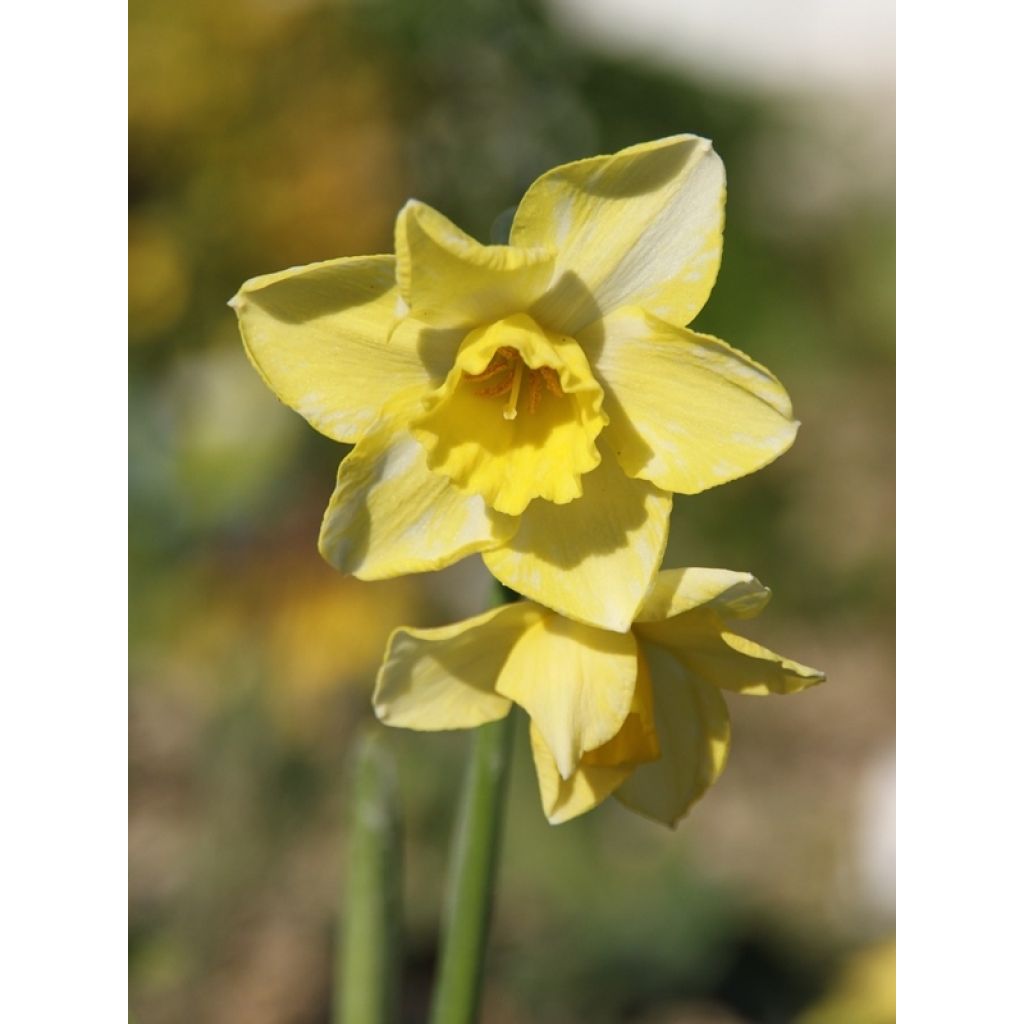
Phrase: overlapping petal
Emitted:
{"points": [[674, 591], [575, 682], [564, 799], [640, 227], [448, 279], [595, 558], [637, 739], [390, 515], [701, 641], [686, 411], [445, 678], [639, 714], [319, 337], [693, 733]]}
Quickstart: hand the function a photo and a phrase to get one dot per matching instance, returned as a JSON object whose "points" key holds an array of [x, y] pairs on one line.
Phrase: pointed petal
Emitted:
{"points": [[693, 731], [736, 663], [702, 643], [641, 227], [686, 411], [674, 591], [390, 515], [449, 279], [563, 799], [593, 559], [319, 337], [575, 682], [444, 678]]}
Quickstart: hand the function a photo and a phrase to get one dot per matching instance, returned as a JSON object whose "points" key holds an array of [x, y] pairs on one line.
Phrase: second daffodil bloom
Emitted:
{"points": [[538, 401], [638, 714]]}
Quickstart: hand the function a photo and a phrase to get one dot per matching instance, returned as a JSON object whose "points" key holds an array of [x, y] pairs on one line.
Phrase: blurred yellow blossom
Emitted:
{"points": [[865, 992], [539, 401], [638, 714]]}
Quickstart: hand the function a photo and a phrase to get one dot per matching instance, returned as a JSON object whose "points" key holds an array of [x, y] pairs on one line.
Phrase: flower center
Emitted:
{"points": [[504, 375], [543, 441]]}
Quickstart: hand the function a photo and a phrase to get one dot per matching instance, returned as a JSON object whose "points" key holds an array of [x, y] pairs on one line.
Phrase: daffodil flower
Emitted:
{"points": [[638, 714], [539, 401]]}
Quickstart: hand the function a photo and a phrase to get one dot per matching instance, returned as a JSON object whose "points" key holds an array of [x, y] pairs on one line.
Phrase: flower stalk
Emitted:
{"points": [[367, 965], [473, 867], [472, 874]]}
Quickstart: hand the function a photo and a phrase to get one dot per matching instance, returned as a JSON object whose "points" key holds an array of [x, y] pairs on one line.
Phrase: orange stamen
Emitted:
{"points": [[497, 389], [552, 381], [535, 390]]}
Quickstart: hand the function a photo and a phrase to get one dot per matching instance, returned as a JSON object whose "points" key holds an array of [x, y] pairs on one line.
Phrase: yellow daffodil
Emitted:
{"points": [[539, 401], [638, 714]]}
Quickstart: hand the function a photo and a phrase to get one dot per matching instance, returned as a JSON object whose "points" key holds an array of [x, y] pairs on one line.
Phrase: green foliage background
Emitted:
{"points": [[267, 134]]}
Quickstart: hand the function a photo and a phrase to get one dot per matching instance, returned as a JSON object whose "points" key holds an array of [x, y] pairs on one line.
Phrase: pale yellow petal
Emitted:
{"points": [[575, 682], [701, 642], [674, 591], [693, 731], [637, 740], [445, 678], [564, 799], [390, 515], [435, 346], [449, 279], [686, 411], [739, 664], [517, 418], [319, 337], [641, 227], [592, 559]]}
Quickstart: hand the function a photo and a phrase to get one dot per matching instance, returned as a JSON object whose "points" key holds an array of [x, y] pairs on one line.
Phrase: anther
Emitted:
{"points": [[502, 387], [535, 390], [552, 381], [492, 371]]}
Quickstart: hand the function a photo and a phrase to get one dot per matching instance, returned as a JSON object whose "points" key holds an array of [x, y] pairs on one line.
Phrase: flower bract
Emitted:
{"points": [[638, 714], [538, 402]]}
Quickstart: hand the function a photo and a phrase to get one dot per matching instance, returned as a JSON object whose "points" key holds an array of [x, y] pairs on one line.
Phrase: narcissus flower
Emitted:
{"points": [[539, 401], [638, 714]]}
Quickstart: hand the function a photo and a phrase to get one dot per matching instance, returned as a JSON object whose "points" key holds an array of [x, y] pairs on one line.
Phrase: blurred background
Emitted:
{"points": [[270, 133]]}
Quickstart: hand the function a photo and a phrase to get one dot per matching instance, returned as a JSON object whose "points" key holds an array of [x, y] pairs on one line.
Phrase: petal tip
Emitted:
{"points": [[558, 817]]}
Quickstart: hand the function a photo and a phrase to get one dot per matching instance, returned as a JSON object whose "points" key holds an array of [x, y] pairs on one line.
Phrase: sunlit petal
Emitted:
{"points": [[674, 591], [319, 337], [595, 558], [637, 739], [708, 649], [575, 682], [445, 678], [686, 411], [563, 799], [449, 279], [693, 732], [640, 227], [390, 515]]}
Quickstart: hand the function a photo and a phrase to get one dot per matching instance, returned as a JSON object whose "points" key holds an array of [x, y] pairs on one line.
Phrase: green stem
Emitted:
{"points": [[368, 960], [471, 878]]}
